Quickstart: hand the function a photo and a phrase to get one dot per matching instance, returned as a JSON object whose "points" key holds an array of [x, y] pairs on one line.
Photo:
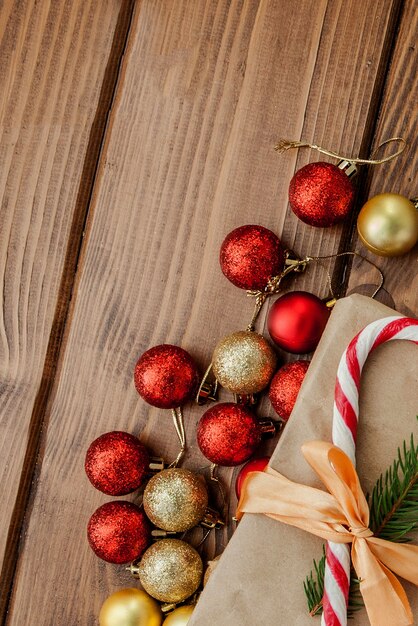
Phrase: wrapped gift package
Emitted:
{"points": [[259, 578]]}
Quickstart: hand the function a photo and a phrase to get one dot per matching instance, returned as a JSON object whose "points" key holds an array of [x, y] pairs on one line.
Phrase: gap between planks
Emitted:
{"points": [[342, 268], [75, 240]]}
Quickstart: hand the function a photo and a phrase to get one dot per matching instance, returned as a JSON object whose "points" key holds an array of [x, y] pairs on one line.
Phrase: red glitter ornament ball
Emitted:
{"points": [[254, 465], [321, 194], [118, 532], [166, 376], [116, 463], [285, 386], [250, 255], [228, 434], [296, 321]]}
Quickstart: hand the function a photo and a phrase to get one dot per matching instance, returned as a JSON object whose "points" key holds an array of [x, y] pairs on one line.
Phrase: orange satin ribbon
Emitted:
{"points": [[342, 515]]}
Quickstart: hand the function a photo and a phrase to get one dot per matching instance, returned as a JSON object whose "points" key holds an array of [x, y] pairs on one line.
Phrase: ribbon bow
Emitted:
{"points": [[342, 515]]}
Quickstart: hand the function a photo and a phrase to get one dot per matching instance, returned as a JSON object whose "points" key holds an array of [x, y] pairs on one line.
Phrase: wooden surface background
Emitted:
{"points": [[134, 137]]}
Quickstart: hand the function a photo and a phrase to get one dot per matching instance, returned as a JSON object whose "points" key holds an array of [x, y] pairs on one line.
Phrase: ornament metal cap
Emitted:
{"points": [[349, 168], [330, 302], [167, 607], [156, 464], [133, 568], [157, 533], [212, 519], [246, 399], [269, 427]]}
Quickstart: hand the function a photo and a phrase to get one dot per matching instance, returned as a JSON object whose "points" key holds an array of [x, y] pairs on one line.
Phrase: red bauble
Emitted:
{"points": [[228, 434], [166, 376], [118, 532], [296, 321], [116, 463], [285, 386], [321, 194], [250, 255], [255, 465]]}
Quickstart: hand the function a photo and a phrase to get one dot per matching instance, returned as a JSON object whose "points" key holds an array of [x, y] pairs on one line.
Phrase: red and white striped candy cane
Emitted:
{"points": [[344, 433]]}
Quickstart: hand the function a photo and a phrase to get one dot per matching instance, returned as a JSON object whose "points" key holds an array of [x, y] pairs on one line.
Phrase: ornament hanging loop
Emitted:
{"points": [[178, 421], [292, 264], [285, 144], [318, 259]]}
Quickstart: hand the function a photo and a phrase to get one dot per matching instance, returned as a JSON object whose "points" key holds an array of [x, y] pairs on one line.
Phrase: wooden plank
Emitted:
{"points": [[206, 89], [54, 57], [397, 118]]}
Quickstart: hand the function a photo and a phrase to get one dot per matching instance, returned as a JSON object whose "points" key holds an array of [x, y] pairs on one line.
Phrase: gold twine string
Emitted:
{"points": [[293, 264], [216, 480], [178, 422], [340, 254], [285, 144]]}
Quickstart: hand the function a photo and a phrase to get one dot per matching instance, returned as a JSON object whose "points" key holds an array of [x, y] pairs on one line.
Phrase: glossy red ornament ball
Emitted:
{"points": [[250, 255], [116, 463], [321, 194], [118, 532], [166, 376], [285, 386], [254, 465], [228, 434], [296, 321]]}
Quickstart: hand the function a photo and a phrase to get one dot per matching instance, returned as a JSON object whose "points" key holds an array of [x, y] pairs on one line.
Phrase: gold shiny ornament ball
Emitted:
{"points": [[244, 362], [180, 616], [170, 570], [388, 224], [175, 499], [130, 607]]}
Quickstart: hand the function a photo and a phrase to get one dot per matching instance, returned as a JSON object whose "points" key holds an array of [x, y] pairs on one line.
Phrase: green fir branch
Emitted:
{"points": [[394, 499], [314, 589], [314, 586], [393, 516]]}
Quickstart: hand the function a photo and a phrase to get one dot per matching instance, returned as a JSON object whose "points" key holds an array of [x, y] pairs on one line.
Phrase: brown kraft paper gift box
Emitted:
{"points": [[259, 579]]}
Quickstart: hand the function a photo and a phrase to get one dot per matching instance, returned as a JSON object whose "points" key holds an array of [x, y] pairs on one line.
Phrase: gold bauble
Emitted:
{"points": [[180, 616], [388, 224], [130, 607], [175, 499], [244, 362], [170, 570]]}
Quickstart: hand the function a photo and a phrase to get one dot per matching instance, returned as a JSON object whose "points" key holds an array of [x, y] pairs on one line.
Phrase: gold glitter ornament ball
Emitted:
{"points": [[180, 616], [388, 224], [130, 607], [244, 362], [175, 499], [170, 570]]}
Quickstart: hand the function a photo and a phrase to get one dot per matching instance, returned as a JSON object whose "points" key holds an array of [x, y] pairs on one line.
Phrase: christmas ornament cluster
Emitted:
{"points": [[150, 534], [172, 500]]}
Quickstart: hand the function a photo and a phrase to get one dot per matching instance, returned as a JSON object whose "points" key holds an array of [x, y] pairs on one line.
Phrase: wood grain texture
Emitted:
{"points": [[53, 61], [205, 90], [398, 117]]}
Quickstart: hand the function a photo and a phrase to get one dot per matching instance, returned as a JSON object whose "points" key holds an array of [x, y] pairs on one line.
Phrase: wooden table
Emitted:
{"points": [[134, 137]]}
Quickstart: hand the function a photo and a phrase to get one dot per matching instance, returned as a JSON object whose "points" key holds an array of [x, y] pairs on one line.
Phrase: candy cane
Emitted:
{"points": [[344, 433]]}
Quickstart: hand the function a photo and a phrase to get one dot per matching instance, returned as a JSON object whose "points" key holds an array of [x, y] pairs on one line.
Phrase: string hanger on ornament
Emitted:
{"points": [[285, 144], [322, 194]]}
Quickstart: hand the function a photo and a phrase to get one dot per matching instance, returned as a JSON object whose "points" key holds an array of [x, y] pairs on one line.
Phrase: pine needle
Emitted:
{"points": [[394, 499]]}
